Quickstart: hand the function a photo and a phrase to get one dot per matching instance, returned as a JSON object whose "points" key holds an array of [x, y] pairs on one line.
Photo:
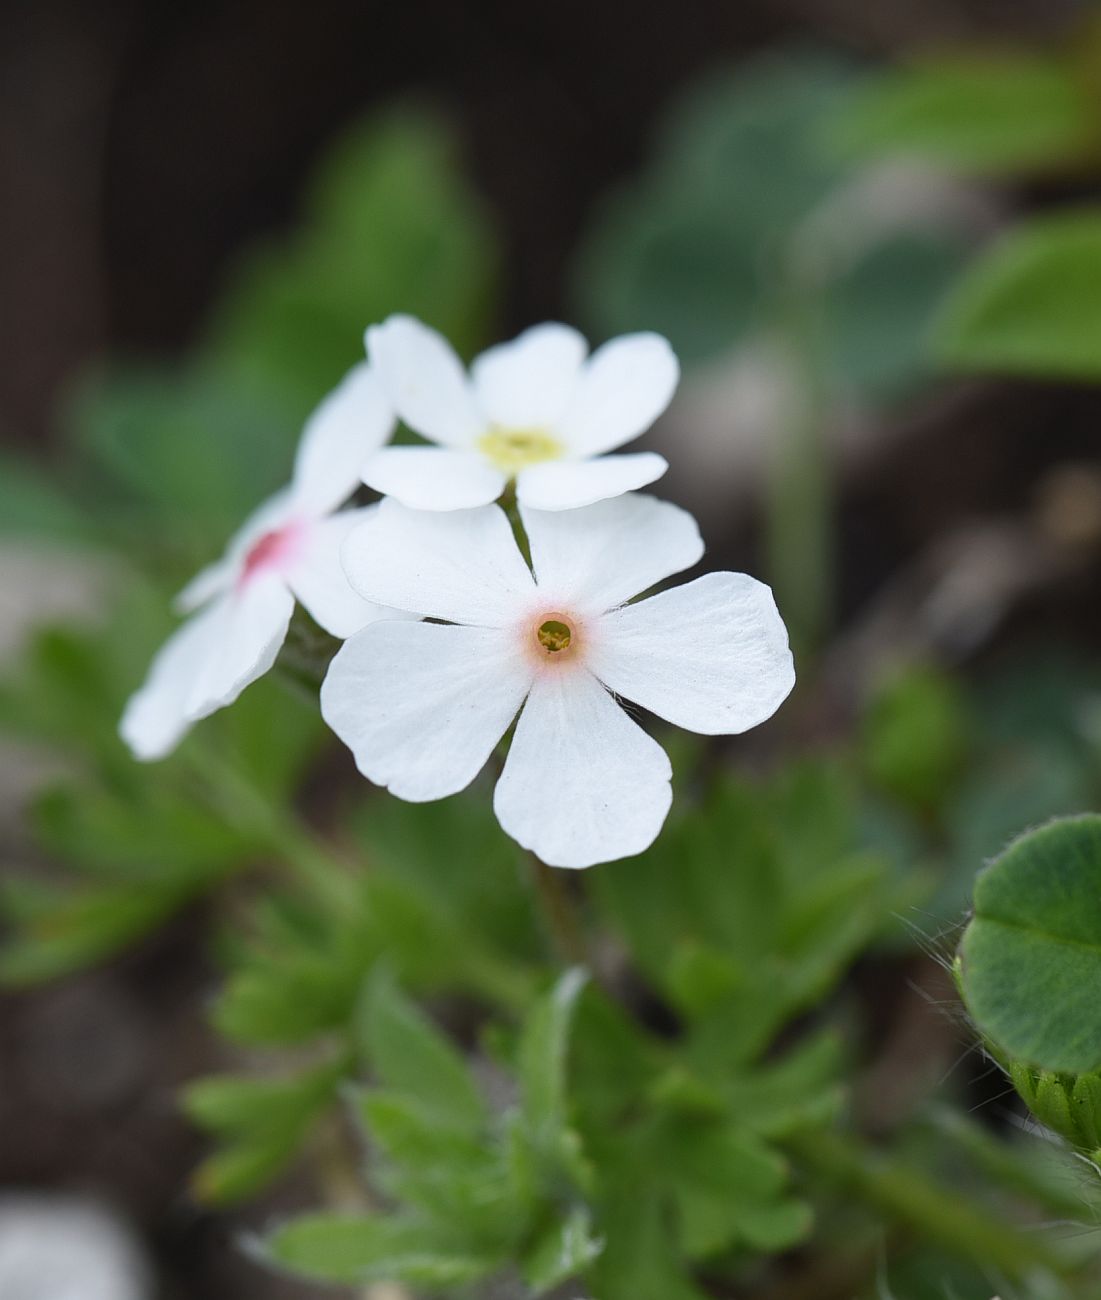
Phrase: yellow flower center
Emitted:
{"points": [[554, 636], [512, 450]]}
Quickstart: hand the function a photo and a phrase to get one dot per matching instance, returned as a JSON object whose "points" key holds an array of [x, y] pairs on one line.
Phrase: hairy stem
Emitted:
{"points": [[940, 1215]]}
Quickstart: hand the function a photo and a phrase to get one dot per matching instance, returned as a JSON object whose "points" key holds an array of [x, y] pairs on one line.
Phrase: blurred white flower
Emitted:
{"points": [[539, 410], [422, 705], [289, 548], [60, 1248]]}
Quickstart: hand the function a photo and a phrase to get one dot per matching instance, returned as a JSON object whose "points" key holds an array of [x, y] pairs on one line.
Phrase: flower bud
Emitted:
{"points": [[1069, 1104]]}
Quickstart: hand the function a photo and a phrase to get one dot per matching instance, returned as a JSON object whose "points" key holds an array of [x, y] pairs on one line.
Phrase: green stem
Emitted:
{"points": [[560, 913], [799, 522], [909, 1196]]}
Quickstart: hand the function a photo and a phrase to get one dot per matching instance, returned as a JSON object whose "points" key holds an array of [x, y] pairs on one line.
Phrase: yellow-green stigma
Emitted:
{"points": [[554, 636], [512, 450]]}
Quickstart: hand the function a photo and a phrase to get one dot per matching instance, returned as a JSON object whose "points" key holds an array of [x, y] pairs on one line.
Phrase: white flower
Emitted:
{"points": [[422, 705], [288, 548], [538, 410]]}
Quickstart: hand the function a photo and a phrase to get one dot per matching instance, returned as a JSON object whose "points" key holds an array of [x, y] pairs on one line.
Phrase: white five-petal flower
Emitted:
{"points": [[288, 548], [422, 705], [538, 410]]}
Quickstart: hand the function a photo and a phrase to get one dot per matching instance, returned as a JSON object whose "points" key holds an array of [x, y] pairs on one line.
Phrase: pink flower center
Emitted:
{"points": [[553, 639], [271, 551]]}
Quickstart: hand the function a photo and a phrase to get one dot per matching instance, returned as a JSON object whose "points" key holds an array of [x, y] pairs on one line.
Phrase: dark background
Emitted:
{"points": [[141, 146]]}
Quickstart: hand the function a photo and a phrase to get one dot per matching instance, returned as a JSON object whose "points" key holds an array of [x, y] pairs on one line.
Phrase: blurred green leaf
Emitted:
{"points": [[916, 735], [542, 1055], [372, 1248], [744, 222], [410, 1055], [565, 1250], [79, 928], [34, 504], [985, 112], [1032, 304], [390, 225], [1031, 956], [261, 1125]]}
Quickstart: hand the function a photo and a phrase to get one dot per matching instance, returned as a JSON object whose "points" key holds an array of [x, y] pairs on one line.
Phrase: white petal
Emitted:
{"points": [[354, 421], [597, 557], [432, 478], [424, 380], [567, 485], [318, 579], [422, 705], [207, 584], [155, 718], [526, 384], [582, 783], [463, 566], [711, 656], [250, 627], [271, 514], [624, 388]]}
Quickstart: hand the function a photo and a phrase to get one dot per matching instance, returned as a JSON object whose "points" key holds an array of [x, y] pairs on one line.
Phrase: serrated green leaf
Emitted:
{"points": [[359, 1249], [1032, 305], [261, 1123], [1031, 957], [450, 1176], [411, 1056]]}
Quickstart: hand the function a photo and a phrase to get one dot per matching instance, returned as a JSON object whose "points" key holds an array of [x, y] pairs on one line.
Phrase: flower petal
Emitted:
{"points": [[318, 580], [250, 627], [463, 566], [355, 420], [582, 783], [206, 584], [155, 719], [432, 478], [567, 485], [271, 514], [424, 380], [711, 656], [527, 383], [597, 557], [422, 705], [624, 388]]}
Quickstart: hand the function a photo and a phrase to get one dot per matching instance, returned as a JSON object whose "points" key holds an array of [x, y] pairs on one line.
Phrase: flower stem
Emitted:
{"points": [[910, 1197], [560, 914]]}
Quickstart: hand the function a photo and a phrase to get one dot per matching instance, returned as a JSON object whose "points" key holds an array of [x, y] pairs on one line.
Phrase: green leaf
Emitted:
{"points": [[915, 735], [33, 504], [542, 1055], [450, 1176], [984, 112], [81, 928], [391, 225], [261, 1123], [564, 1251], [1032, 305], [411, 1056], [375, 1248], [640, 1257], [730, 237], [1031, 957]]}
